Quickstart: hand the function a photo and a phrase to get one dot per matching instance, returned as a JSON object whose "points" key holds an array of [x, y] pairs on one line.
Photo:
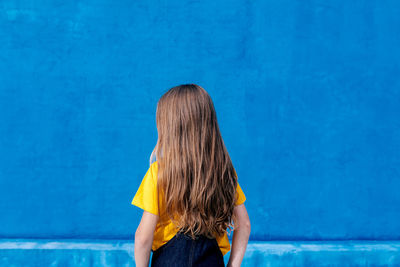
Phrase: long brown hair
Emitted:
{"points": [[196, 177]]}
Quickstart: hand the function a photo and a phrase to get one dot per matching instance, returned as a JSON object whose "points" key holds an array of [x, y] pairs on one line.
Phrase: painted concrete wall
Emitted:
{"points": [[307, 95]]}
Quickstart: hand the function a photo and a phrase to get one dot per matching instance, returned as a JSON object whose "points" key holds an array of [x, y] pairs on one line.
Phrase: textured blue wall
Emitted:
{"points": [[307, 96]]}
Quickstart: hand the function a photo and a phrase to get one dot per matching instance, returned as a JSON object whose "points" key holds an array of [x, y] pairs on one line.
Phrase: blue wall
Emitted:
{"points": [[307, 95]]}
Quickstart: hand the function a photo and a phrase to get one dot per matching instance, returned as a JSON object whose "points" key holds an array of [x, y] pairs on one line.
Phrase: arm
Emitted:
{"points": [[240, 236], [144, 238]]}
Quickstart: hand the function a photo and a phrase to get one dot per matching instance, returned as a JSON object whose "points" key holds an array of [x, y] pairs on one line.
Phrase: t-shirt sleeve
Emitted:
{"points": [[146, 195], [241, 198]]}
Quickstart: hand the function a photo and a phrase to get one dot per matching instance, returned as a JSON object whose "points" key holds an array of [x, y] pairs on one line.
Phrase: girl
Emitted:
{"points": [[190, 194]]}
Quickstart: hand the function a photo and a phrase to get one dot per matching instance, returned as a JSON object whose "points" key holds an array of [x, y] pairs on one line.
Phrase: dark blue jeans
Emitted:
{"points": [[182, 251]]}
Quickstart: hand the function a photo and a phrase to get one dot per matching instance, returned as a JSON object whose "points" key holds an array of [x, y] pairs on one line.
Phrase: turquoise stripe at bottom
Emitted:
{"points": [[50, 252]]}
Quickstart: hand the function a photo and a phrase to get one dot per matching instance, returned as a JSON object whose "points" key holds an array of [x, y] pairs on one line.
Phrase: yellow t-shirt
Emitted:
{"points": [[146, 199]]}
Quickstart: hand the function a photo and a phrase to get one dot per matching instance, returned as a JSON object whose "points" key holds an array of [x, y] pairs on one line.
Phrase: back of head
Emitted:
{"points": [[196, 177]]}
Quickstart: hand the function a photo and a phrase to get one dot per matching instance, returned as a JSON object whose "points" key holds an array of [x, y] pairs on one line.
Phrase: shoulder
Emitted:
{"points": [[154, 166], [154, 170]]}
